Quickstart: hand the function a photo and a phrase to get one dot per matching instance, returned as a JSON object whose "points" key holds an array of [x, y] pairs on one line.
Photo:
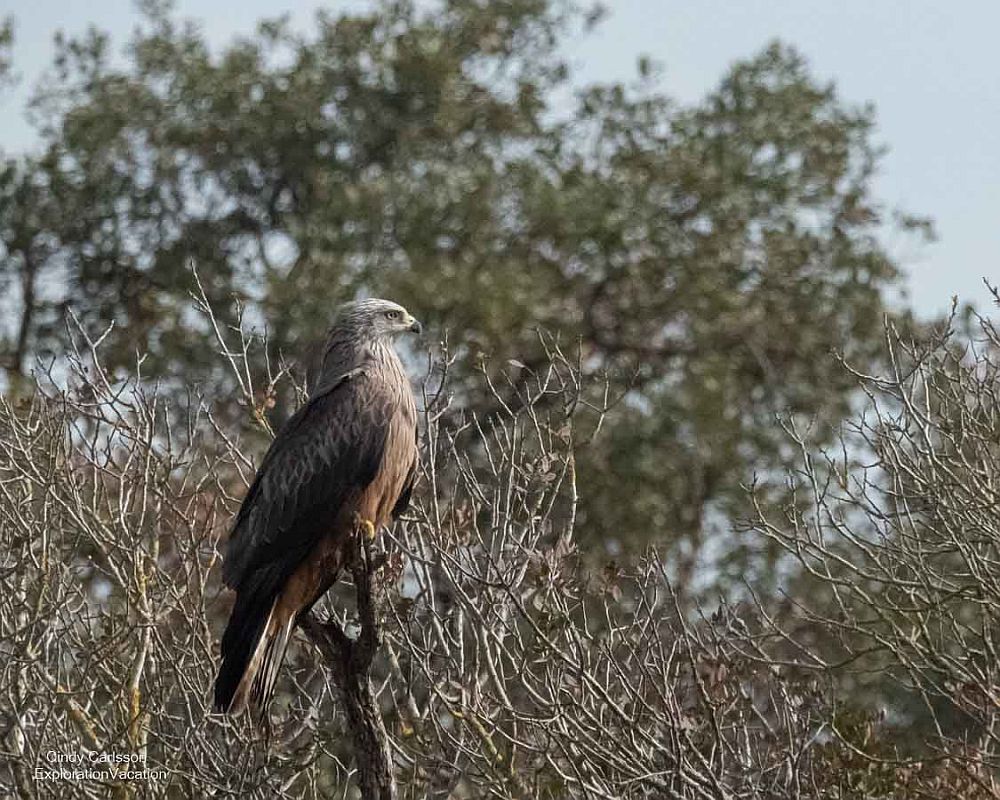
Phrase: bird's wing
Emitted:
{"points": [[326, 454]]}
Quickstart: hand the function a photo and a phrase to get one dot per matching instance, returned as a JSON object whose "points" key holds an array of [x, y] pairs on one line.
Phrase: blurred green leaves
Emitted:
{"points": [[708, 259]]}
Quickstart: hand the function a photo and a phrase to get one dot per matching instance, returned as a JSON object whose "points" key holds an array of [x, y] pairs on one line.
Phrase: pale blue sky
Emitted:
{"points": [[932, 69]]}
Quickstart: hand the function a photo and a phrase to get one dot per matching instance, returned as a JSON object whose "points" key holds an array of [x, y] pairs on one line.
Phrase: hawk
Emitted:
{"points": [[343, 464]]}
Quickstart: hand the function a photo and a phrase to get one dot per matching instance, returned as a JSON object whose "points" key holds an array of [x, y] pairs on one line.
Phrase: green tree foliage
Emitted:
{"points": [[707, 258]]}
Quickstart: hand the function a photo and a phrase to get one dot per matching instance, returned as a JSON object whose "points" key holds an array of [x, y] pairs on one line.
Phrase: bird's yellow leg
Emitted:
{"points": [[368, 527]]}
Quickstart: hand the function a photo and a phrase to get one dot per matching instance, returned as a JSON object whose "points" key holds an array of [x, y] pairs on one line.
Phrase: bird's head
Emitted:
{"points": [[359, 328], [375, 319]]}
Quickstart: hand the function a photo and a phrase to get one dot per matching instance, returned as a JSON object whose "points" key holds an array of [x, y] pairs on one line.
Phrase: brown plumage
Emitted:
{"points": [[343, 462]]}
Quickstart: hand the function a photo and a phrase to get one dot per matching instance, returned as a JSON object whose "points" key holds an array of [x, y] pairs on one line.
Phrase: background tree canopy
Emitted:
{"points": [[707, 258], [711, 275]]}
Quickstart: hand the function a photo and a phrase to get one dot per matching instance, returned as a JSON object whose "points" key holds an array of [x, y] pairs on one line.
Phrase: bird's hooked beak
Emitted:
{"points": [[414, 327]]}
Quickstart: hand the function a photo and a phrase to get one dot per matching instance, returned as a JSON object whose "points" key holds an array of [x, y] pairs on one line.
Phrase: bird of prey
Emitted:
{"points": [[342, 466]]}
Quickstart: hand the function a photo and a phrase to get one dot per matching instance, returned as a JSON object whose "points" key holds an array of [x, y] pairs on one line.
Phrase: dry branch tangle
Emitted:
{"points": [[509, 665]]}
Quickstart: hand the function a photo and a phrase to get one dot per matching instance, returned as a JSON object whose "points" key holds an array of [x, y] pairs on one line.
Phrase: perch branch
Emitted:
{"points": [[349, 663]]}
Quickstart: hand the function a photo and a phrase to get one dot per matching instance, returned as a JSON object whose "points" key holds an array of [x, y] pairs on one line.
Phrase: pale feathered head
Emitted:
{"points": [[361, 329], [373, 319]]}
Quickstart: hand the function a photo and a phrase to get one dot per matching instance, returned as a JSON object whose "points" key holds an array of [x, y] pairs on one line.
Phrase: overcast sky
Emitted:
{"points": [[932, 69]]}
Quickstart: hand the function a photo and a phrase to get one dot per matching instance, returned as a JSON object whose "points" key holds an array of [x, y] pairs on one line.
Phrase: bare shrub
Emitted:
{"points": [[895, 544], [503, 664]]}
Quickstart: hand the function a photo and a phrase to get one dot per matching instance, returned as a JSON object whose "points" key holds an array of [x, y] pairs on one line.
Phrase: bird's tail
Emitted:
{"points": [[253, 648]]}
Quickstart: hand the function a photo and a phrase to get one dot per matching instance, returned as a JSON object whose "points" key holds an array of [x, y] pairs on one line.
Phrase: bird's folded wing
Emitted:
{"points": [[325, 455]]}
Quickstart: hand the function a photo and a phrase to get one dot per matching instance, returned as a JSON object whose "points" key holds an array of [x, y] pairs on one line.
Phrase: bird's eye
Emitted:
{"points": [[392, 315]]}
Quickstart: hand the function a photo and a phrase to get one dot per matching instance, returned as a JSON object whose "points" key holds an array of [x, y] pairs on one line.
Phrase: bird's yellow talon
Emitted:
{"points": [[369, 528]]}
